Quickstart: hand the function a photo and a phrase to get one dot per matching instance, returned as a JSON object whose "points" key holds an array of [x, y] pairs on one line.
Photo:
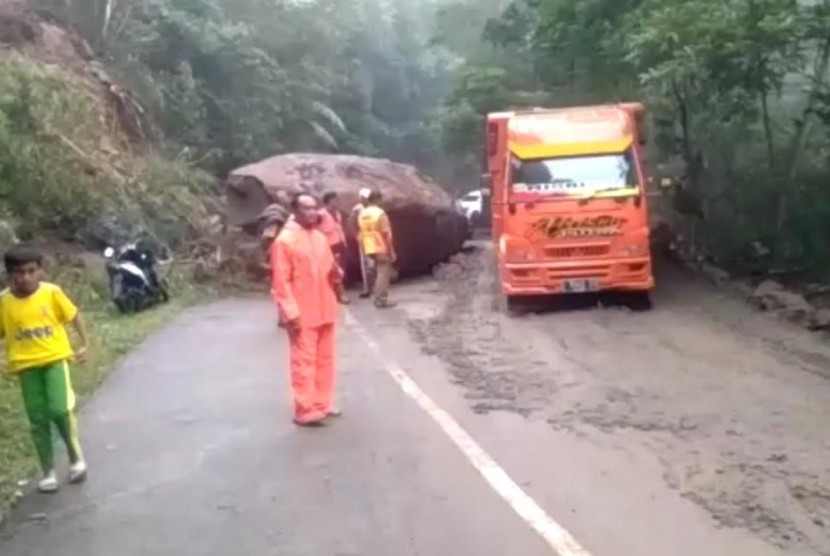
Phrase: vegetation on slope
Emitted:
{"points": [[69, 174]]}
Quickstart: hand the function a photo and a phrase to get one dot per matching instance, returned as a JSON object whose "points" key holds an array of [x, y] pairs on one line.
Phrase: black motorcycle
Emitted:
{"points": [[134, 282]]}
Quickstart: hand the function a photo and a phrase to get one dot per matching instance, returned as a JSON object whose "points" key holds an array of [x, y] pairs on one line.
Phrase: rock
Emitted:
{"points": [[274, 214], [428, 229], [204, 272], [744, 290], [771, 296], [715, 274], [796, 309], [820, 320], [239, 252], [766, 295]]}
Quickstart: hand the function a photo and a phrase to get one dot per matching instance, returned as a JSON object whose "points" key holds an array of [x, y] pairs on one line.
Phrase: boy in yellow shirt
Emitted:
{"points": [[33, 319]]}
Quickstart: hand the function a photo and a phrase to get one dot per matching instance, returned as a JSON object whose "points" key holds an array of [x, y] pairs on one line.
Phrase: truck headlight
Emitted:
{"points": [[634, 250], [520, 254]]}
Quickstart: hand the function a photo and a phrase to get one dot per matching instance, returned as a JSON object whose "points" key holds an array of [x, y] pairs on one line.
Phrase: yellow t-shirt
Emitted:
{"points": [[35, 327], [373, 224]]}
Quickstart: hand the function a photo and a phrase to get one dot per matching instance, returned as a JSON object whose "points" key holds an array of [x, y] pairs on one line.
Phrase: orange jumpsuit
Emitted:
{"points": [[304, 284]]}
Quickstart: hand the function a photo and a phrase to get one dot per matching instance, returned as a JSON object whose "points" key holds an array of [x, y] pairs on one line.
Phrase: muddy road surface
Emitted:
{"points": [[732, 405], [697, 428]]}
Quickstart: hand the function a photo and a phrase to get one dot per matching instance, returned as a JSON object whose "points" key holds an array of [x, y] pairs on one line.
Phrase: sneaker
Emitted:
{"points": [[77, 472], [49, 483]]}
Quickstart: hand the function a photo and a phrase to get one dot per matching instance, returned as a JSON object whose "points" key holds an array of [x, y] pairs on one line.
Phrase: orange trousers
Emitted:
{"points": [[312, 372]]}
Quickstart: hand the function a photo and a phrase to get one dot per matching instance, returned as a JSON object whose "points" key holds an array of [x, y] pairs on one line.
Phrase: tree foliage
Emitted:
{"points": [[237, 80], [737, 90]]}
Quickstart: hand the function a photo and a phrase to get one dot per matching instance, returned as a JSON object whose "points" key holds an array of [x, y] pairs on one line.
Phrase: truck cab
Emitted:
{"points": [[569, 204]]}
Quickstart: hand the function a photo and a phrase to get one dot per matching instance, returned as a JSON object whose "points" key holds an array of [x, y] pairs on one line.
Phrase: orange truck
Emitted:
{"points": [[568, 200]]}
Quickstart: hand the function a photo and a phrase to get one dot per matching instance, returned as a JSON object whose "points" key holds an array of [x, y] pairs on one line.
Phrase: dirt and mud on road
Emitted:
{"points": [[733, 403]]}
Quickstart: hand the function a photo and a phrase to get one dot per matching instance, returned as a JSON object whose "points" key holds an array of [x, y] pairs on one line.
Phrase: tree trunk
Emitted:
{"points": [[767, 126]]}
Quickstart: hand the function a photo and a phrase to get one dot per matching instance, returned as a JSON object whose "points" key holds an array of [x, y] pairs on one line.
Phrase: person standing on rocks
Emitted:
{"points": [[376, 239], [366, 270], [304, 285]]}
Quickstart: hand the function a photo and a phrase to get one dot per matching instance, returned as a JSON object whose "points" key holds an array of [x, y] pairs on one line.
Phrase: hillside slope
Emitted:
{"points": [[75, 155]]}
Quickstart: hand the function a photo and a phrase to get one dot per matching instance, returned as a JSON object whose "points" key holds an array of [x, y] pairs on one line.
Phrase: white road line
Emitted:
{"points": [[554, 534]]}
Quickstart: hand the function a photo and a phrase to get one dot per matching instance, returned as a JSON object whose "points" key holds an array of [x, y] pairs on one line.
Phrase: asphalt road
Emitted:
{"points": [[697, 428], [193, 452]]}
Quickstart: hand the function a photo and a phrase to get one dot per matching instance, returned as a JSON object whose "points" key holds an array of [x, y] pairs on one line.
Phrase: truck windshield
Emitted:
{"points": [[573, 175]]}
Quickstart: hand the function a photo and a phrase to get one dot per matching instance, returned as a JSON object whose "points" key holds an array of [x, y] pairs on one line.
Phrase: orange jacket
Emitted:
{"points": [[303, 274], [332, 227]]}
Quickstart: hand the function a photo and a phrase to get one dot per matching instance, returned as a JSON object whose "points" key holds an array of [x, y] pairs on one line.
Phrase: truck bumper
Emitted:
{"points": [[628, 274]]}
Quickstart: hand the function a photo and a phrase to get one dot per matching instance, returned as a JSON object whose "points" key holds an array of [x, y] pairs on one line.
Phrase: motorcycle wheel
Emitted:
{"points": [[121, 305], [127, 304], [119, 296]]}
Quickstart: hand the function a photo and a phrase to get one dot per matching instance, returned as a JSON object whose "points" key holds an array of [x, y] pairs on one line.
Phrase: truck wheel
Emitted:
{"points": [[512, 306], [495, 284], [640, 301]]}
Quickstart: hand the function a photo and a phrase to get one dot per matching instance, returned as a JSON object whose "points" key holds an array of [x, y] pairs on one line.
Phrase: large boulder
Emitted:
{"points": [[427, 227]]}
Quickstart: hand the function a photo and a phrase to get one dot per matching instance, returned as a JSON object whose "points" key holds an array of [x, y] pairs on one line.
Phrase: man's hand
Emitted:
{"points": [[81, 354], [336, 275], [293, 326]]}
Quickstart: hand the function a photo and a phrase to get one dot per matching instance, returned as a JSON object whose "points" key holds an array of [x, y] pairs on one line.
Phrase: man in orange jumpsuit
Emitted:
{"points": [[304, 285]]}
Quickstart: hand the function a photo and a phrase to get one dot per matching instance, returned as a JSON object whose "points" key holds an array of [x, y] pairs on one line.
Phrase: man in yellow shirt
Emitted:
{"points": [[33, 319], [353, 230], [375, 233]]}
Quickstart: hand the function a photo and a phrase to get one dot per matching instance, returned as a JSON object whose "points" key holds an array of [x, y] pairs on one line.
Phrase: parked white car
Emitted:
{"points": [[472, 205]]}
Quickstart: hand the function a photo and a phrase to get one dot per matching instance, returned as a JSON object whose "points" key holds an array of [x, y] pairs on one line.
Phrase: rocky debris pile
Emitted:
{"points": [[458, 266], [769, 295], [794, 307], [427, 227]]}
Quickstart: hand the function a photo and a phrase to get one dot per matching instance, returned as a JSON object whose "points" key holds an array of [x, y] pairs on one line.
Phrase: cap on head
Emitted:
{"points": [[365, 193]]}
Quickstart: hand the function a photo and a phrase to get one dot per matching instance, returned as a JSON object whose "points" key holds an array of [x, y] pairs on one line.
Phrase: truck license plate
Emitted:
{"points": [[580, 286]]}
